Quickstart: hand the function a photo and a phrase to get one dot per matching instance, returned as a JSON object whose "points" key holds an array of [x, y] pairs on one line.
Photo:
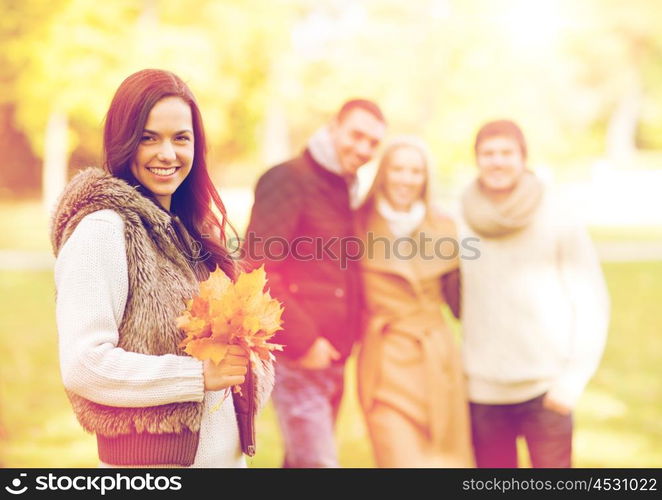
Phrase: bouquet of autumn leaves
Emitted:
{"points": [[226, 313]]}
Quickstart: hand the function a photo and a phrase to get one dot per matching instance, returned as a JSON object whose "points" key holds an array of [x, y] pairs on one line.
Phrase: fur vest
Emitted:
{"points": [[155, 257]]}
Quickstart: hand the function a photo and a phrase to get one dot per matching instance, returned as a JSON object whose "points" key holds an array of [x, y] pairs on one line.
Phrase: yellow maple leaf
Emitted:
{"points": [[194, 327], [215, 285], [250, 285], [199, 307], [270, 320], [220, 328], [207, 348], [225, 313], [251, 324]]}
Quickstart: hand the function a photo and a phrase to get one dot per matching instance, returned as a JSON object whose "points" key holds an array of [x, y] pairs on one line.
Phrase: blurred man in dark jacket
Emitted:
{"points": [[302, 229]]}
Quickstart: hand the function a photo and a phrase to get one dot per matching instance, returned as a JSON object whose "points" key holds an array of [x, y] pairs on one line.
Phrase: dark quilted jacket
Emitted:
{"points": [[302, 229]]}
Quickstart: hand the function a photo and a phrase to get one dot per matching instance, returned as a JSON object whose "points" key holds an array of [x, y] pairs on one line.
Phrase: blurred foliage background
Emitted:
{"points": [[584, 79]]}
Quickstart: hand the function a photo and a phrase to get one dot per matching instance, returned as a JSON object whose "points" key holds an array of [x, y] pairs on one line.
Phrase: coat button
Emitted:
{"points": [[339, 293], [294, 288]]}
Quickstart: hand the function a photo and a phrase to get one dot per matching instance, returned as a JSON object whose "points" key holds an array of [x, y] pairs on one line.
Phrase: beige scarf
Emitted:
{"points": [[494, 220]]}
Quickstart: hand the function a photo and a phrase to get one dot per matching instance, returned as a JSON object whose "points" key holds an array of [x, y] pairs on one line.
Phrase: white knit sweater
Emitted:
{"points": [[91, 278], [535, 311]]}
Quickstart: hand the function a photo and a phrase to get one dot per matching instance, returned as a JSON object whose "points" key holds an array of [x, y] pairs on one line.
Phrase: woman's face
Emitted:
{"points": [[406, 174], [165, 154]]}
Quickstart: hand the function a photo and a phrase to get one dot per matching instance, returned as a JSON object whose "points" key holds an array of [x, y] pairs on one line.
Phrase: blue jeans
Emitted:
{"points": [[495, 428], [307, 404]]}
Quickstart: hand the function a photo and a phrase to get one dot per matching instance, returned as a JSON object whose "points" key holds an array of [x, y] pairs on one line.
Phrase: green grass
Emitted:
{"points": [[618, 422], [634, 234], [37, 426], [623, 408]]}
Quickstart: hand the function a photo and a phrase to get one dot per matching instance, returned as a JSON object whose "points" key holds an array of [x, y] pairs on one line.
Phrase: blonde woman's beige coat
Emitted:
{"points": [[410, 381]]}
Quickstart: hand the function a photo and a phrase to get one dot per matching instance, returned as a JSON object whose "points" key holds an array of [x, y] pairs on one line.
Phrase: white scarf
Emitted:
{"points": [[323, 152], [401, 224]]}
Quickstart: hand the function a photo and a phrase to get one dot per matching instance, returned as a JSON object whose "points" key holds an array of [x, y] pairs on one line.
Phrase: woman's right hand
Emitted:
{"points": [[230, 371]]}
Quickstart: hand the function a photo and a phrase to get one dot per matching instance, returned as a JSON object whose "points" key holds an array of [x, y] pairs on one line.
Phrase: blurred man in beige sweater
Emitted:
{"points": [[535, 308]]}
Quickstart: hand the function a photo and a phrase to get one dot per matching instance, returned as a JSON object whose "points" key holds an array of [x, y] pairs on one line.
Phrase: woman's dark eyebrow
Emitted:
{"points": [[148, 131]]}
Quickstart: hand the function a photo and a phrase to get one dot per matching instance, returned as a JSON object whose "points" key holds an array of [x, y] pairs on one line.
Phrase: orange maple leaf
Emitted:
{"points": [[225, 313]]}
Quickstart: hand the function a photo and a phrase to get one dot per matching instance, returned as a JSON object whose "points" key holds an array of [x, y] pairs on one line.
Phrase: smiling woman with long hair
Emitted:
{"points": [[123, 138], [132, 242]]}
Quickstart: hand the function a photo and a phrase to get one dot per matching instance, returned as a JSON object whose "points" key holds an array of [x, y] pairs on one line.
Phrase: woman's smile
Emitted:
{"points": [[162, 171]]}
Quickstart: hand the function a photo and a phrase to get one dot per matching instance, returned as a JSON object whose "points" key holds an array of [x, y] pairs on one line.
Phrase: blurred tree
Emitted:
{"points": [[21, 22], [619, 44], [576, 75], [63, 53], [19, 174], [68, 64]]}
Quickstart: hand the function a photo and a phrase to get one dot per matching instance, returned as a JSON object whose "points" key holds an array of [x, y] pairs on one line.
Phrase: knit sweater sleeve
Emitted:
{"points": [[586, 288], [91, 280]]}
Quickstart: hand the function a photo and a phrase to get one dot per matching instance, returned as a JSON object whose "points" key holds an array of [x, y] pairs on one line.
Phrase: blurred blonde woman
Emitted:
{"points": [[410, 378]]}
